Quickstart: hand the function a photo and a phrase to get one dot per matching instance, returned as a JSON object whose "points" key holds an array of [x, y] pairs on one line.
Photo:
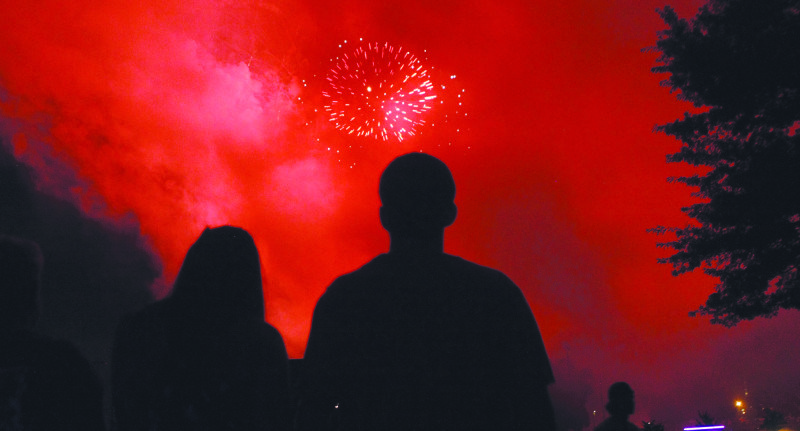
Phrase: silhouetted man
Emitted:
{"points": [[620, 406], [45, 384], [421, 340]]}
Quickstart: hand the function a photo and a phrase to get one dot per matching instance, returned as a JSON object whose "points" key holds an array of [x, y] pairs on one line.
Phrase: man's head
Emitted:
{"points": [[417, 192], [620, 400], [20, 268]]}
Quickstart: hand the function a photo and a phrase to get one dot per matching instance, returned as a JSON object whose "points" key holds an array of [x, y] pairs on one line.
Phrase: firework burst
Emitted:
{"points": [[378, 91]]}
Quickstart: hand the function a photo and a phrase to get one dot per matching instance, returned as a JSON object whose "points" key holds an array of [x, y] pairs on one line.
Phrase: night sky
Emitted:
{"points": [[160, 118]]}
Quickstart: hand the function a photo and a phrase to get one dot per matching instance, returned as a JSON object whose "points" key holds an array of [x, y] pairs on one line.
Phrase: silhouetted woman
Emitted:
{"points": [[204, 359]]}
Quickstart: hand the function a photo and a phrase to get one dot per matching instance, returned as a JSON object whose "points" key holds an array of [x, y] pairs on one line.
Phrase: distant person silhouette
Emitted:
{"points": [[620, 406], [418, 339], [45, 384], [204, 359]]}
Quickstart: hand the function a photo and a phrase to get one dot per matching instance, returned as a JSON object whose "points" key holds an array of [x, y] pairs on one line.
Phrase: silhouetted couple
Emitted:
{"points": [[415, 340]]}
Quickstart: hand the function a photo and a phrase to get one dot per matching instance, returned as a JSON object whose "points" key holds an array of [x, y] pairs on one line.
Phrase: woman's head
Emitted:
{"points": [[221, 276]]}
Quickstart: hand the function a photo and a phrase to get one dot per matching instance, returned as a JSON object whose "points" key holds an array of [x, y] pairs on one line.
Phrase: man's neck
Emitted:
{"points": [[410, 245]]}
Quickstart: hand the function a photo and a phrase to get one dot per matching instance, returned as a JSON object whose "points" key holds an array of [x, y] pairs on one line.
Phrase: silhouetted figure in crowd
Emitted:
{"points": [[418, 339], [45, 384], [620, 406], [204, 359]]}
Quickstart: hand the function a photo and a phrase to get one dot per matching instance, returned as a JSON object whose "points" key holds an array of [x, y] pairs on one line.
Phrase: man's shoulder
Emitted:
{"points": [[388, 264], [375, 268], [387, 269], [376, 265], [49, 348], [475, 269], [58, 359], [353, 284], [483, 280], [614, 424]]}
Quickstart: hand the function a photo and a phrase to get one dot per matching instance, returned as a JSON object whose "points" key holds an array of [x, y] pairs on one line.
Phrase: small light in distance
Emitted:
{"points": [[705, 427]]}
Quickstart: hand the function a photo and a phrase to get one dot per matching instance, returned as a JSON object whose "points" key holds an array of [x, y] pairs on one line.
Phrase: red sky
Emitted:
{"points": [[181, 114]]}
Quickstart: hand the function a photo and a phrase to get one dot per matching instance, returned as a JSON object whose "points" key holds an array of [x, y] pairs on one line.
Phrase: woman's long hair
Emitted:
{"points": [[220, 279]]}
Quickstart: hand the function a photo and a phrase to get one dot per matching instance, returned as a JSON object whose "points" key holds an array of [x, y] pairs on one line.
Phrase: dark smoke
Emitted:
{"points": [[94, 271], [570, 395]]}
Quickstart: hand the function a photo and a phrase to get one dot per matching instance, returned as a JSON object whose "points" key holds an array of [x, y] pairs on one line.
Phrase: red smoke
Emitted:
{"points": [[182, 114]]}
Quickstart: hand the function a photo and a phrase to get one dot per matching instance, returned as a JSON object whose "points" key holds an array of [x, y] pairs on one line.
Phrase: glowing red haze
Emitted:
{"points": [[193, 113]]}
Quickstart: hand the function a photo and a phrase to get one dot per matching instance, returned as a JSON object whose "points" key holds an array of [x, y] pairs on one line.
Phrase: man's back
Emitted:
{"points": [[429, 341], [46, 384], [418, 339]]}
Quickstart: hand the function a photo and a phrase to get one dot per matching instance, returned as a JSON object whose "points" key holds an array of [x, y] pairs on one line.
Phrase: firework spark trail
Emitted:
{"points": [[378, 91]]}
